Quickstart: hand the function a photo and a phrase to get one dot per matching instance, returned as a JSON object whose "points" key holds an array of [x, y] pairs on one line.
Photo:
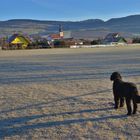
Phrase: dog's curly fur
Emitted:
{"points": [[124, 91]]}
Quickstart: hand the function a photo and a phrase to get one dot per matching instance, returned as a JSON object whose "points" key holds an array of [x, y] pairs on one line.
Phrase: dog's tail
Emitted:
{"points": [[137, 98]]}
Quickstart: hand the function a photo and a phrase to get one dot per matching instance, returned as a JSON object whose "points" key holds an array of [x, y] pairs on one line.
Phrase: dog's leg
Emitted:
{"points": [[128, 104], [134, 106], [116, 99], [121, 102]]}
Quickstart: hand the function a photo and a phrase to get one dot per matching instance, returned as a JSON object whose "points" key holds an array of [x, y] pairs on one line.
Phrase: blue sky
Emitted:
{"points": [[71, 10]]}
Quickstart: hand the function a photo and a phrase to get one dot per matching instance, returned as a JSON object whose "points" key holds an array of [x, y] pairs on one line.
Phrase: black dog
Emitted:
{"points": [[124, 90]]}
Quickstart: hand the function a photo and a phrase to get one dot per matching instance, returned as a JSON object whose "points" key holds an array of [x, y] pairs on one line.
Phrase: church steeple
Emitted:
{"points": [[61, 31], [60, 28]]}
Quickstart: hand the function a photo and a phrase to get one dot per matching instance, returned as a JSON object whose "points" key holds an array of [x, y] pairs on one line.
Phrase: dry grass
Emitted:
{"points": [[63, 94]]}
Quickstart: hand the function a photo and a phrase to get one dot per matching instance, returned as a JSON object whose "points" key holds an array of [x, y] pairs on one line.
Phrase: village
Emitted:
{"points": [[19, 40]]}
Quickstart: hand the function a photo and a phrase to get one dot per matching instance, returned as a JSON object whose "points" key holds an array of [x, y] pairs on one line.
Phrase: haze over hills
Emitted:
{"points": [[92, 28]]}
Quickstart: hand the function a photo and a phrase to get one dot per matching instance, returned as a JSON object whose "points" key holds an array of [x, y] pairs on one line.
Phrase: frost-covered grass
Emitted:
{"points": [[61, 94]]}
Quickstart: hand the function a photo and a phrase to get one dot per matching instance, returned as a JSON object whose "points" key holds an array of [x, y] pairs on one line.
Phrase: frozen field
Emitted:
{"points": [[61, 94]]}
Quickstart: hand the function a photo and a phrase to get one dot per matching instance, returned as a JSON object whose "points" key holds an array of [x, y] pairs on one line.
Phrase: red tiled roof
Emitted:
{"points": [[55, 36]]}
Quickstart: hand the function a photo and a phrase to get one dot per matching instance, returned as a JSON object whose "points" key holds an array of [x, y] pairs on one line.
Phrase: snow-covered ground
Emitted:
{"points": [[60, 94]]}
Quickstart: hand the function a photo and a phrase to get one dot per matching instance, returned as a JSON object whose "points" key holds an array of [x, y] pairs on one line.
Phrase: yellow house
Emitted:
{"points": [[18, 41]]}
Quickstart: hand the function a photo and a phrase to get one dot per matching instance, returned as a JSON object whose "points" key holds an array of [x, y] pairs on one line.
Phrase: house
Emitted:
{"points": [[113, 38], [18, 41], [57, 36], [54, 37]]}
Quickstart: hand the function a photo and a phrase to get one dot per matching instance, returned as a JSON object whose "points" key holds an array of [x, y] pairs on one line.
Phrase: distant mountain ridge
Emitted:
{"points": [[92, 28]]}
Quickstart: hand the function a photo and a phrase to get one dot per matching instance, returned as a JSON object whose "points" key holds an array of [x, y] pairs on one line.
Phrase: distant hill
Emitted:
{"points": [[91, 28]]}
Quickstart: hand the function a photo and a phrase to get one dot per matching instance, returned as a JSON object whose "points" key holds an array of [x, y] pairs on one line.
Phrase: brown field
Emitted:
{"points": [[66, 94]]}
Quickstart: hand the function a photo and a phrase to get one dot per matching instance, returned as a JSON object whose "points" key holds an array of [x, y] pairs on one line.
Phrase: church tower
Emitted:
{"points": [[61, 33]]}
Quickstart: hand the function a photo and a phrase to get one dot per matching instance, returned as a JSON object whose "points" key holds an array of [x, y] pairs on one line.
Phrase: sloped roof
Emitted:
{"points": [[110, 35], [55, 36], [14, 36], [113, 37]]}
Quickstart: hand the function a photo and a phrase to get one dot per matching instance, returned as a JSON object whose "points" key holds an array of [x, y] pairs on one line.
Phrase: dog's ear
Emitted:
{"points": [[115, 75]]}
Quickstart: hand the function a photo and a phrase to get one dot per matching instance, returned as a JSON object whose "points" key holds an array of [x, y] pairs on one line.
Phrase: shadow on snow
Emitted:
{"points": [[8, 128]]}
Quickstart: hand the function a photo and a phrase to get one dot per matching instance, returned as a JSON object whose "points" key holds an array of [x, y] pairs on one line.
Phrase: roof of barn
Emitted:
{"points": [[14, 36]]}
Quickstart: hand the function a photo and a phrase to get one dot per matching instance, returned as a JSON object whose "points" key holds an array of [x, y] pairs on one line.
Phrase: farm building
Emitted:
{"points": [[18, 41], [113, 38]]}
